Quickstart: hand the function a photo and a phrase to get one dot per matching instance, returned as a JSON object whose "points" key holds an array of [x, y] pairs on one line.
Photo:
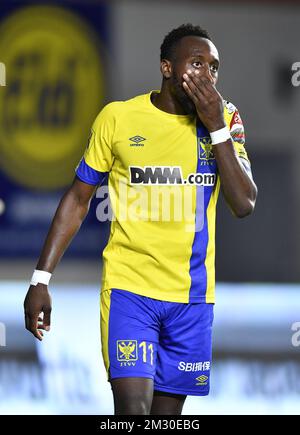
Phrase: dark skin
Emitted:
{"points": [[188, 87], [68, 218]]}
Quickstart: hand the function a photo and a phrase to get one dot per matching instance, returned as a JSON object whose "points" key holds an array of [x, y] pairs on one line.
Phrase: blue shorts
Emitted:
{"points": [[168, 342]]}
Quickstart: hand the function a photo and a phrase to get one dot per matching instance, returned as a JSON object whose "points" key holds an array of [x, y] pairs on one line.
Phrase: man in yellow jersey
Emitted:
{"points": [[166, 154]]}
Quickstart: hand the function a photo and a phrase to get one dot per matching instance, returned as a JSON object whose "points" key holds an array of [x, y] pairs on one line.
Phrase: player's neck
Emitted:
{"points": [[166, 102]]}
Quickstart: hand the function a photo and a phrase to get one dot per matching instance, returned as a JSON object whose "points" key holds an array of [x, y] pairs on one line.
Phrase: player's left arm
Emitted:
{"points": [[236, 178]]}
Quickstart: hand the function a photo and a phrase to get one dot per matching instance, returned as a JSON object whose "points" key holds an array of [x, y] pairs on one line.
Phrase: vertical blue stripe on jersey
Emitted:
{"points": [[199, 248]]}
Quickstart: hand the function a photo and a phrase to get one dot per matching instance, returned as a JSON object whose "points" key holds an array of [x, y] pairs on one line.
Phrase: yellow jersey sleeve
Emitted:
{"points": [[236, 127], [99, 153]]}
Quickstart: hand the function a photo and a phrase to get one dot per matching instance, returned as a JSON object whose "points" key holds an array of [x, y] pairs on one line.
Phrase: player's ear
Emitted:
{"points": [[166, 68]]}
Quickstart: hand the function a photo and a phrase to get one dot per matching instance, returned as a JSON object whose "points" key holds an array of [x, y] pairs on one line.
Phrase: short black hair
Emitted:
{"points": [[167, 48]]}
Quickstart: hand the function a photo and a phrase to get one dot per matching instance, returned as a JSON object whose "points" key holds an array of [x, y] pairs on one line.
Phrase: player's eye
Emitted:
{"points": [[197, 64], [214, 68]]}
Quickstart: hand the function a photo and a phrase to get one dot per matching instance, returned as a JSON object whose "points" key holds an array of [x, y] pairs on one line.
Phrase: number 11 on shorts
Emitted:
{"points": [[143, 344]]}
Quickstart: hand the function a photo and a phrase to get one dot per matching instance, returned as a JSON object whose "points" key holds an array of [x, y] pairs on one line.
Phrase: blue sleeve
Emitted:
{"points": [[89, 175]]}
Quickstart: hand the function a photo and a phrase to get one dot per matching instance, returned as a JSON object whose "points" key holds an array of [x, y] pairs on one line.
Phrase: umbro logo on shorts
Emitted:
{"points": [[202, 380]]}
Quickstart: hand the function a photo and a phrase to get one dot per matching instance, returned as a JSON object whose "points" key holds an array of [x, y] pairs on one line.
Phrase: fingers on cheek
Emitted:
{"points": [[190, 93], [191, 82], [202, 91], [201, 85], [190, 86], [195, 91], [186, 87]]}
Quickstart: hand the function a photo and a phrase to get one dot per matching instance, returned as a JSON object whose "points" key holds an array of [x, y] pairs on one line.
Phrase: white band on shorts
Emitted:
{"points": [[220, 136], [40, 276]]}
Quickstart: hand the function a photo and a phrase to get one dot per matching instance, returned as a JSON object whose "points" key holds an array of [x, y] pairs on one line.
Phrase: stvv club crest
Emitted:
{"points": [[127, 350], [205, 148]]}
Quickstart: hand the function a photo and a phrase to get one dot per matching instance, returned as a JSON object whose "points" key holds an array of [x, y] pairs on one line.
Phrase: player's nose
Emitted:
{"points": [[208, 73]]}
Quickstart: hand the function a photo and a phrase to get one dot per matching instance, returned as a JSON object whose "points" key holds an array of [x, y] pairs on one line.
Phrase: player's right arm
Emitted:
{"points": [[93, 168], [68, 218]]}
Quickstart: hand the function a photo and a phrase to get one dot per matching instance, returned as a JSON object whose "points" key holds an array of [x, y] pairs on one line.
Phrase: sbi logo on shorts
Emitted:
{"points": [[200, 366]]}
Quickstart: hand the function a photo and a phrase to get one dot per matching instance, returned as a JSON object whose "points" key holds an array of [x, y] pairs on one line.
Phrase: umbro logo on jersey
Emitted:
{"points": [[137, 141]]}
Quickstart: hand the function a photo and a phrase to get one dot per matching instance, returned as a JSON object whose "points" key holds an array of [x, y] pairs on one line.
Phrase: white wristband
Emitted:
{"points": [[40, 276], [220, 136]]}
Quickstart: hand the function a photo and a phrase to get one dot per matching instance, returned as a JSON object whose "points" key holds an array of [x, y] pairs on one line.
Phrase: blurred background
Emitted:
{"points": [[63, 61]]}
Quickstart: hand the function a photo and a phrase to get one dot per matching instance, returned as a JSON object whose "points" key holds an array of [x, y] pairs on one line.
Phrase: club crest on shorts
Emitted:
{"points": [[202, 380], [127, 350]]}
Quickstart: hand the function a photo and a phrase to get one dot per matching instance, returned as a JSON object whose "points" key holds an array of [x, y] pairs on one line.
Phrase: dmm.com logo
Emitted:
{"points": [[168, 175]]}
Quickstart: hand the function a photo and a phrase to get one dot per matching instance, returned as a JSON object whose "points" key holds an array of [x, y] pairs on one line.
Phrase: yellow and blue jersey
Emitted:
{"points": [[163, 185]]}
